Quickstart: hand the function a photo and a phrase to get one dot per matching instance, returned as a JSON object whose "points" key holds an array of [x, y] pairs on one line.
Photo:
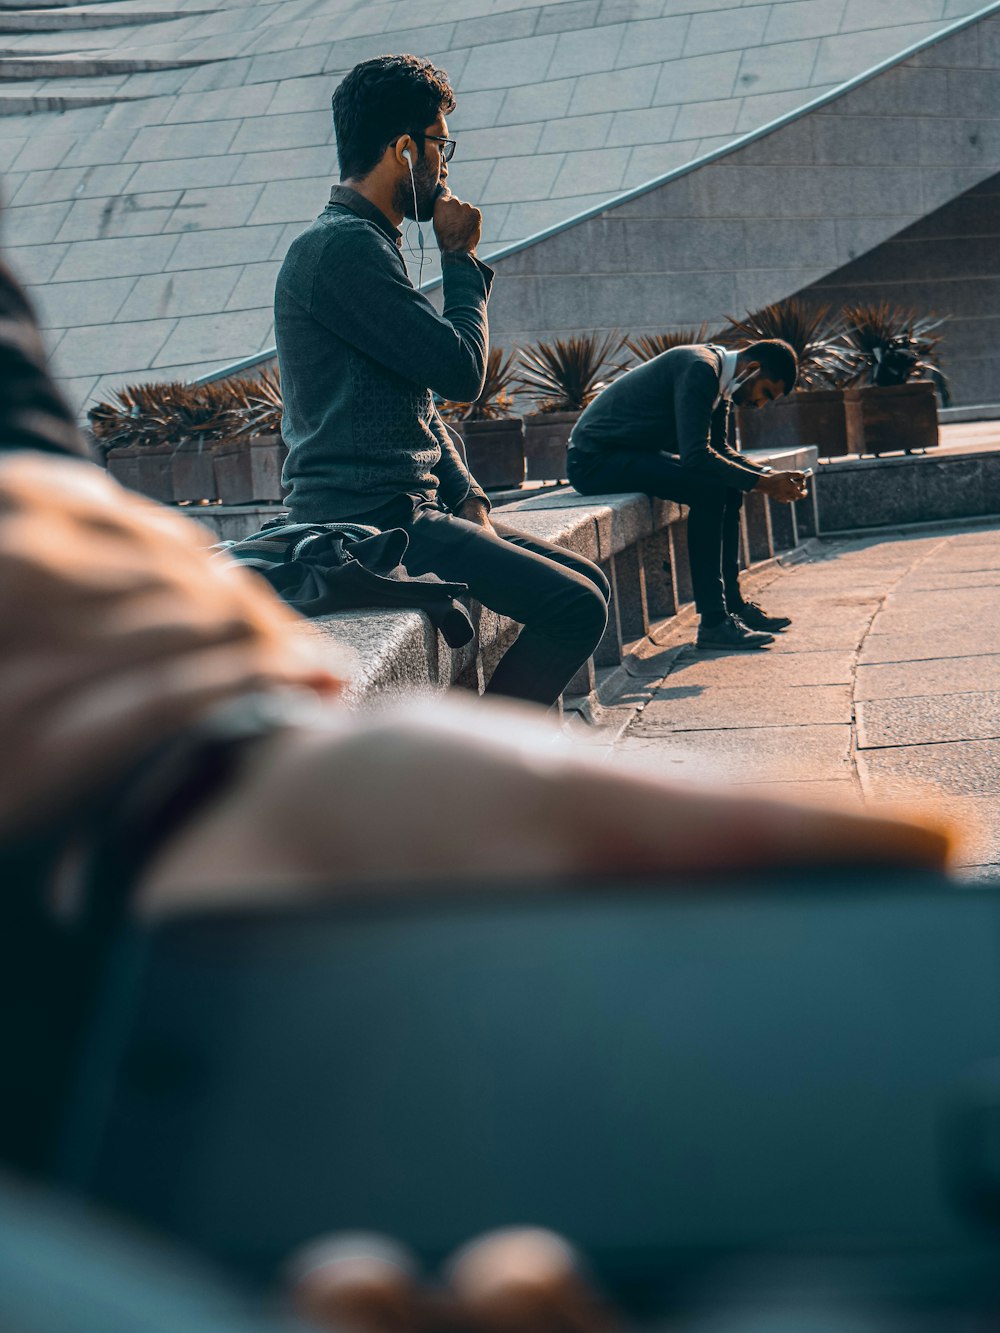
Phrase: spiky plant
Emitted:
{"points": [[257, 403], [495, 400], [814, 335], [564, 376], [891, 345], [162, 413], [644, 346]]}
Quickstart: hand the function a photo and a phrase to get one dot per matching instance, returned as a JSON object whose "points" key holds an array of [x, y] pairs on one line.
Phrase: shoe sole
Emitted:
{"points": [[733, 647]]}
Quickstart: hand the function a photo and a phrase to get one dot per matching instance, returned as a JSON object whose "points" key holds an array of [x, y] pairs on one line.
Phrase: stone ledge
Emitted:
{"points": [[926, 488], [637, 541]]}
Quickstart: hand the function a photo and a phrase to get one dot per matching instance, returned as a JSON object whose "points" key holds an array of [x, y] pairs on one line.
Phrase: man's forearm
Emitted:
{"points": [[455, 480]]}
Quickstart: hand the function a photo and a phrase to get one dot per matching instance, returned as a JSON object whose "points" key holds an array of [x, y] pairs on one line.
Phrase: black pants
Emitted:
{"points": [[713, 529], [560, 598]]}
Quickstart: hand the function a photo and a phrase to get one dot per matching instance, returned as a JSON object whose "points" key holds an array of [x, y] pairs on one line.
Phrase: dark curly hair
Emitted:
{"points": [[381, 99], [777, 361]]}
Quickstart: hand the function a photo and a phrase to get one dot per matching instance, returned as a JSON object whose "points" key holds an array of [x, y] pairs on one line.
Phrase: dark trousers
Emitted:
{"points": [[561, 599], [713, 529]]}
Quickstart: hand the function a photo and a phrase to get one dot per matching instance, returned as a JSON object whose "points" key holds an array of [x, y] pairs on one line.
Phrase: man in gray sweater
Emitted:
{"points": [[362, 353], [664, 428]]}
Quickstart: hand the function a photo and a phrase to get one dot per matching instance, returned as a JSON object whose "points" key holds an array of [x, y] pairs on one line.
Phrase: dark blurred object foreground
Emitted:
{"points": [[778, 1099]]}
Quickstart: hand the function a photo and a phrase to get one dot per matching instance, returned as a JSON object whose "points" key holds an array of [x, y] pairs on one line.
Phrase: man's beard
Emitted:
{"points": [[427, 189]]}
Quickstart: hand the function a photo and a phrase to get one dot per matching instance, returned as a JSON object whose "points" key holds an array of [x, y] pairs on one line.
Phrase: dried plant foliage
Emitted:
{"points": [[564, 376], [257, 403], [815, 336], [891, 345], [495, 401], [176, 413], [645, 346]]}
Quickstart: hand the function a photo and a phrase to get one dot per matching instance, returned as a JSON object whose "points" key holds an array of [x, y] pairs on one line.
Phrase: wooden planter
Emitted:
{"points": [[494, 451], [193, 469], [248, 471], [808, 416], [899, 416], [144, 468], [121, 465], [546, 435]]}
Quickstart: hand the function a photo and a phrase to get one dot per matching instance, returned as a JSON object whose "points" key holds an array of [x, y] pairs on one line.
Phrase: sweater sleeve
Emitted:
{"points": [[362, 293], [724, 437], [694, 400], [455, 480]]}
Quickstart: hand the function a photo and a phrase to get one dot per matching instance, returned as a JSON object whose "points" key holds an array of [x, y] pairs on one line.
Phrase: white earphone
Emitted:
{"points": [[416, 215], [745, 378]]}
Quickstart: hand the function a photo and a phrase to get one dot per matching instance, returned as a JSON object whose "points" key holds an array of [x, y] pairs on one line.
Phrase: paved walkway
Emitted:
{"points": [[886, 687]]}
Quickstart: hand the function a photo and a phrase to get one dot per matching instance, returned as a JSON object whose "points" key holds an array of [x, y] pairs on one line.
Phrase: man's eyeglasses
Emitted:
{"points": [[449, 145]]}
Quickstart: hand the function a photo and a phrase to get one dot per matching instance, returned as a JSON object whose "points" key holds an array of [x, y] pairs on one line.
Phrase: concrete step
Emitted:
{"points": [[16, 7], [20, 66], [970, 412], [20, 104], [82, 17]]}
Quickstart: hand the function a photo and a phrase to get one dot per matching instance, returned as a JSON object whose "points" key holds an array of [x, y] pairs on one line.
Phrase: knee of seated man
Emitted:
{"points": [[595, 575], [582, 609]]}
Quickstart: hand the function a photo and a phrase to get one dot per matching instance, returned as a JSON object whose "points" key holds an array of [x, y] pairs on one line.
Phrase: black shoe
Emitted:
{"points": [[756, 618], [731, 633]]}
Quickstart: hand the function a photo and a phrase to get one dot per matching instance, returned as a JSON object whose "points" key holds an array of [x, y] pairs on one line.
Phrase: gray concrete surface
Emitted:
{"points": [[781, 214], [885, 689], [148, 203]]}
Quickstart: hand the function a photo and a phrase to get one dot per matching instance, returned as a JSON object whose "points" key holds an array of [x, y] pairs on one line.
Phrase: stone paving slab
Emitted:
{"points": [[695, 707], [749, 755], [937, 612], [962, 559], [766, 671], [805, 637], [974, 821], [840, 792], [981, 874], [950, 675], [926, 718], [931, 644], [926, 772], [979, 536], [931, 579]]}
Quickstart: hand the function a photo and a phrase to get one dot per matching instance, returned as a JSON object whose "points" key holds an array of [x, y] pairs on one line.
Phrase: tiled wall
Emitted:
{"points": [[780, 214]]}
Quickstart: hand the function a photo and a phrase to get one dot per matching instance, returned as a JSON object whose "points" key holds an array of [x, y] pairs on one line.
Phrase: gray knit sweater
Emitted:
{"points": [[360, 351]]}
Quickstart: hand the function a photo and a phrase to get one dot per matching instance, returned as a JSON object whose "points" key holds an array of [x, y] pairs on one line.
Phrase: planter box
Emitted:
{"points": [[546, 435], [899, 416], [812, 416], [193, 469], [121, 465], [249, 470], [494, 451], [144, 468]]}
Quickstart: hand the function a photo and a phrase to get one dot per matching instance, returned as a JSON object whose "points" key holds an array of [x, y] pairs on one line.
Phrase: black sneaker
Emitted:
{"points": [[756, 618], [731, 633]]}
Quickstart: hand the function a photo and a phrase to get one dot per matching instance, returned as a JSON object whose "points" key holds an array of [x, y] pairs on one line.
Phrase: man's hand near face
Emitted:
{"points": [[457, 226], [785, 487]]}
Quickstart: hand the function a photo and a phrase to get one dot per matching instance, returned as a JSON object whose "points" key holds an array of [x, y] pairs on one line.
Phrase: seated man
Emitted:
{"points": [[362, 352], [664, 428]]}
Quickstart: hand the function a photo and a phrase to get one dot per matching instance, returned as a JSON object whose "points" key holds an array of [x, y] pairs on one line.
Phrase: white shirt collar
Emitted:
{"points": [[728, 373]]}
